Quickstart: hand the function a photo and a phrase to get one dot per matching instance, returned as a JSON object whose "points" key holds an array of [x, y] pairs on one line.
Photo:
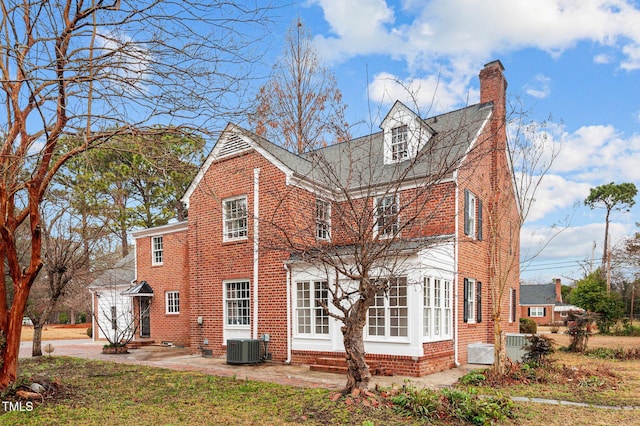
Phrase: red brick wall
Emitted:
{"points": [[213, 261], [172, 275]]}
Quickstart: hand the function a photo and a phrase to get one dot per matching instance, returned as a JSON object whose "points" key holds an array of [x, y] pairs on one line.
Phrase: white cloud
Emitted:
{"points": [[554, 194], [465, 34], [566, 252], [427, 96], [540, 88]]}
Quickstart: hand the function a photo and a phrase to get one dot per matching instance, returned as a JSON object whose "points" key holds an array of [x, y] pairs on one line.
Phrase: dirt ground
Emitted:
{"points": [[57, 332]]}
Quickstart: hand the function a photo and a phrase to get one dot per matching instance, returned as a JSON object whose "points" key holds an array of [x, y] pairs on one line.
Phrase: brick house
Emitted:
{"points": [[239, 266], [543, 303]]}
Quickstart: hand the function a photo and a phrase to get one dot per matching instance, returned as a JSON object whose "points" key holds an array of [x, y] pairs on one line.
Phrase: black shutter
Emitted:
{"points": [[528, 312], [544, 312], [467, 200], [465, 304], [479, 220], [479, 302]]}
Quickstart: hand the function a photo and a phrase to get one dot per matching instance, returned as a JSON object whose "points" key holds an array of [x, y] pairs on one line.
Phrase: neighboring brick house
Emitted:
{"points": [[543, 303], [234, 280]]}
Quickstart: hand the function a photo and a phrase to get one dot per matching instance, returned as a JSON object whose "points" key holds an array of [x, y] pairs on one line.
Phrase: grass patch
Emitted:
{"points": [[95, 392]]}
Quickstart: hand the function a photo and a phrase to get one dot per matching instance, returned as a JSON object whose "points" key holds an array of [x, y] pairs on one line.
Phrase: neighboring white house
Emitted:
{"points": [[113, 312]]}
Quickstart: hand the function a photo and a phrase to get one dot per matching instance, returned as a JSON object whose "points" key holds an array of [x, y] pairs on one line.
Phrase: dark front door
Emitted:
{"points": [[145, 318]]}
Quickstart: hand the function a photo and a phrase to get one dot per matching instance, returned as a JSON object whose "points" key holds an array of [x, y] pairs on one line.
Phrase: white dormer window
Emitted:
{"points": [[405, 133], [399, 143]]}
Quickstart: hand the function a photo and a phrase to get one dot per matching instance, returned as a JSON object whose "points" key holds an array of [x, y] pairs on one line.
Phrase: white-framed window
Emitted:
{"points": [[386, 220], [389, 315], [437, 314], [469, 300], [311, 317], [323, 219], [469, 214], [234, 213], [564, 314], [536, 311], [399, 143], [172, 299], [513, 304], [156, 250], [237, 303]]}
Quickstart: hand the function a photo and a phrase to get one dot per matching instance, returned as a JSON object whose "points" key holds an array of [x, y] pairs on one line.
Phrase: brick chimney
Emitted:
{"points": [[493, 88], [558, 290]]}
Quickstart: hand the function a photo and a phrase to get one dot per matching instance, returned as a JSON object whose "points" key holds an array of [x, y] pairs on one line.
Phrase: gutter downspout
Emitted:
{"points": [[289, 313], [256, 247], [94, 330], [456, 292]]}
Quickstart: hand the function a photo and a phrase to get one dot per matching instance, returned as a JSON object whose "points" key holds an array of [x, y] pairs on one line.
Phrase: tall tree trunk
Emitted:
{"points": [[36, 348], [358, 374], [12, 333]]}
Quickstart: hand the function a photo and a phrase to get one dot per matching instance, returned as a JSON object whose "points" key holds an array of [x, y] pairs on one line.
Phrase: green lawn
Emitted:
{"points": [[95, 392]]}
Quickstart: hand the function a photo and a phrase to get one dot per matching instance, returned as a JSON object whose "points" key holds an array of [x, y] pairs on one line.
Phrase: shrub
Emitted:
{"points": [[528, 326], [451, 404], [537, 349], [474, 377], [90, 331]]}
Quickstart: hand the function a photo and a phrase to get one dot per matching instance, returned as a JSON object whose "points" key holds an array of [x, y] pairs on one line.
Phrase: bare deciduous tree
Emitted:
{"points": [[531, 153], [300, 107], [91, 71]]}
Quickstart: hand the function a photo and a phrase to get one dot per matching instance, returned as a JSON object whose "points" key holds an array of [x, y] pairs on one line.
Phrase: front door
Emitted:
{"points": [[145, 318]]}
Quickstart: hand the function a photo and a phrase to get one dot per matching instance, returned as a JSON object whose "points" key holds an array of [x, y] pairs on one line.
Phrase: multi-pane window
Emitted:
{"points": [[173, 302], [387, 216], [469, 300], [237, 303], [537, 311], [469, 214], [156, 250], [235, 218], [323, 220], [311, 316], [436, 308], [399, 143], [389, 314]]}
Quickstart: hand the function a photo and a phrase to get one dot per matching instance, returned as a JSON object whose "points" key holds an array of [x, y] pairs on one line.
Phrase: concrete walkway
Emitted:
{"points": [[181, 359]]}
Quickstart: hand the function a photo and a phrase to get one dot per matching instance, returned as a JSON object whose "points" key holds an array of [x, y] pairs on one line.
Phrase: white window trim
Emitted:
{"points": [[168, 305], [471, 214], [442, 315], [471, 301], [312, 308], [323, 223], [225, 230], [225, 306], [155, 250], [376, 216], [536, 311], [387, 319], [399, 137]]}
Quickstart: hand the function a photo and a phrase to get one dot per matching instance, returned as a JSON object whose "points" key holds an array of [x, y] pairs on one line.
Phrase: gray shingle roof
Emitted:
{"points": [[122, 273], [360, 162], [538, 294]]}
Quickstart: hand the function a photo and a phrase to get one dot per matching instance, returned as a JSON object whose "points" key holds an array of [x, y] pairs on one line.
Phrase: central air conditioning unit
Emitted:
{"points": [[515, 346], [243, 351]]}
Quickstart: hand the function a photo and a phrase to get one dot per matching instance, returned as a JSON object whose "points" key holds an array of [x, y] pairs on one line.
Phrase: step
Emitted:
{"points": [[138, 343], [328, 369]]}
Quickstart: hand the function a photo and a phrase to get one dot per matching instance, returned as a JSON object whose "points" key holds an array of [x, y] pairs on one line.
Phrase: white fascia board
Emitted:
{"points": [[474, 141], [160, 230]]}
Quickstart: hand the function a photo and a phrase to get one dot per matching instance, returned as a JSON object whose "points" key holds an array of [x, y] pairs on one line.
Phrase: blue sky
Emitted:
{"points": [[576, 61]]}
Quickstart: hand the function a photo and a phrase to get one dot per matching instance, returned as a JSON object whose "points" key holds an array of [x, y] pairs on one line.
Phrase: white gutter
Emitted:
{"points": [[94, 330], [256, 212], [456, 292], [289, 314]]}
